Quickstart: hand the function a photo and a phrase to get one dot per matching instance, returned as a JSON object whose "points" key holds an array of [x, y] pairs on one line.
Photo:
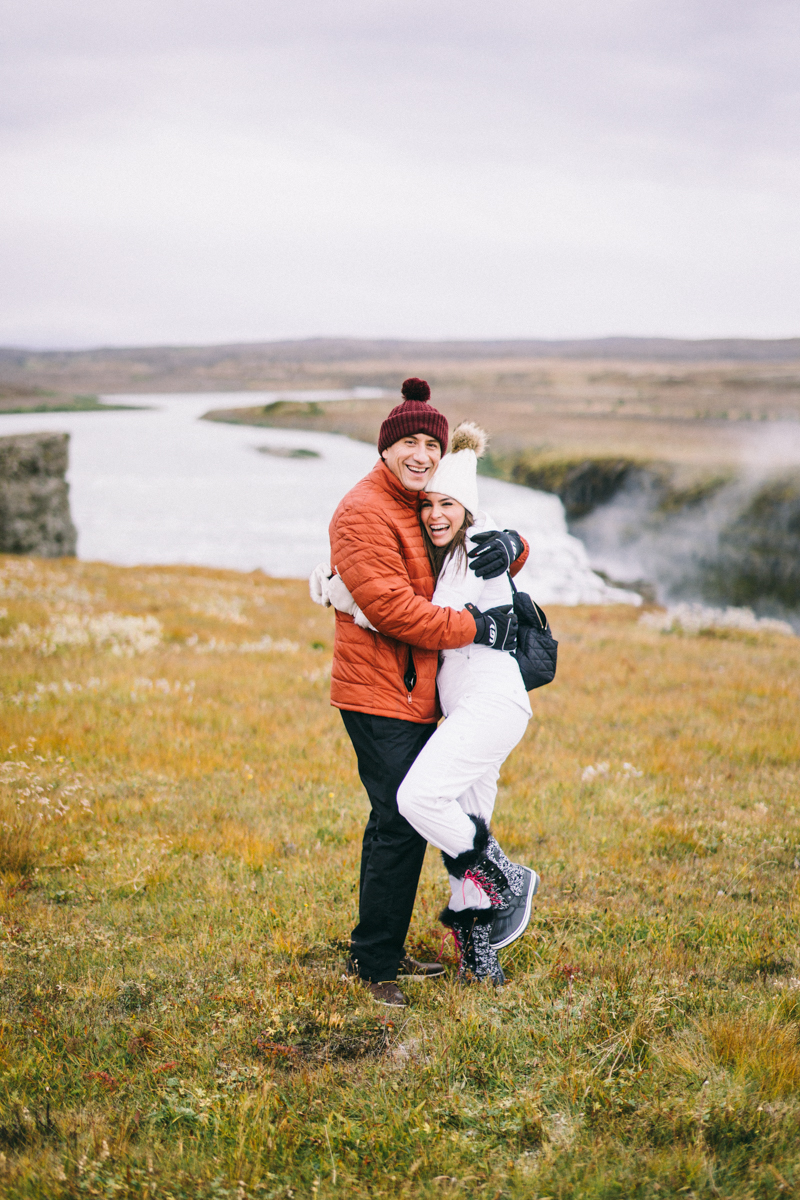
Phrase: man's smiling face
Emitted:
{"points": [[413, 460]]}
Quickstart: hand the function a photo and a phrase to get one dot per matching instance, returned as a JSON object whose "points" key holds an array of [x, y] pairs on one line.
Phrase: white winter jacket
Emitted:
{"points": [[474, 667]]}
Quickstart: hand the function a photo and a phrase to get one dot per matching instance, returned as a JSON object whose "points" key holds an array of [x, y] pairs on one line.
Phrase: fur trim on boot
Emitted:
{"points": [[471, 928], [468, 858], [475, 864]]}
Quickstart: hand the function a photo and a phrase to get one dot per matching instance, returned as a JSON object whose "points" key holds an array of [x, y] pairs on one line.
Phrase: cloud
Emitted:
{"points": [[184, 171]]}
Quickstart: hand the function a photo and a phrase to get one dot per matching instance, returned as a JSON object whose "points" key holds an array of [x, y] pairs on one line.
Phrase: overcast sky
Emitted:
{"points": [[216, 170]]}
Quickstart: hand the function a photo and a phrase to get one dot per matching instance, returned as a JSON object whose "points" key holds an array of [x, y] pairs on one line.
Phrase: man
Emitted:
{"points": [[385, 683]]}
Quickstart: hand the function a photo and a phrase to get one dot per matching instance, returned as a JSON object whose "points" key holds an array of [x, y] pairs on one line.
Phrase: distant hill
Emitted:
{"points": [[353, 349], [345, 362]]}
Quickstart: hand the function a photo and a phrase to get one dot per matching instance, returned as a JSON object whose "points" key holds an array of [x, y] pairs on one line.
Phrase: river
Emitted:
{"points": [[159, 485]]}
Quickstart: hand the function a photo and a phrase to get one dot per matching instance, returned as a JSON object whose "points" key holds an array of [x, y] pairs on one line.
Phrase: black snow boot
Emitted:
{"points": [[514, 873], [477, 960], [514, 912], [510, 888]]}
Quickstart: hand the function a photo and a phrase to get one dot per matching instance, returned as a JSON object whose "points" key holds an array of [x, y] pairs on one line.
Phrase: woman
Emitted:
{"points": [[448, 794]]}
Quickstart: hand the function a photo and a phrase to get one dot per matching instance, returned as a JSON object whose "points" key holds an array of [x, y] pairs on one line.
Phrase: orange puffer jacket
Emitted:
{"points": [[377, 548]]}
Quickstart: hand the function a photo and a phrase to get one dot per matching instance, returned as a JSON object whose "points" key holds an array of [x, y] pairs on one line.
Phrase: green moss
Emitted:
{"points": [[677, 499], [583, 483], [759, 550], [293, 408]]}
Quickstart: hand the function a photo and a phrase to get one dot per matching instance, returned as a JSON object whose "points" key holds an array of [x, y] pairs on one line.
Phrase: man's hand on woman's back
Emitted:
{"points": [[494, 551]]}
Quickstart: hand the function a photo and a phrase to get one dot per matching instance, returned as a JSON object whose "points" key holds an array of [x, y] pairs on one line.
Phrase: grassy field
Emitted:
{"points": [[178, 851], [36, 400]]}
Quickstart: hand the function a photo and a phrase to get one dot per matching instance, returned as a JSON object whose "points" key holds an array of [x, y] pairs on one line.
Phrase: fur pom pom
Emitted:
{"points": [[469, 436], [416, 389]]}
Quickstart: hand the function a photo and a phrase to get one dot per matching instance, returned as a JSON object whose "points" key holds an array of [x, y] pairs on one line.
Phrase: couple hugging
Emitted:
{"points": [[419, 578]]}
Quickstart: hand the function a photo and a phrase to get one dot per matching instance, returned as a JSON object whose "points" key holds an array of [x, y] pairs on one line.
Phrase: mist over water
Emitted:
{"points": [[718, 548], [630, 540]]}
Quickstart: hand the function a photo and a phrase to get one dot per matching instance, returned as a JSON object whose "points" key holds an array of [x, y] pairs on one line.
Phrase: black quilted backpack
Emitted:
{"points": [[537, 649]]}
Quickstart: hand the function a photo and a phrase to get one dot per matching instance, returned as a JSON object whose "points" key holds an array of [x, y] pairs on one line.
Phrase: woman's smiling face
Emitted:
{"points": [[442, 517]]}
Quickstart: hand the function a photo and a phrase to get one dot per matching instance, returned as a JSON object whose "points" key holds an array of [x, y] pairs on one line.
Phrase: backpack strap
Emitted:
{"points": [[543, 623]]}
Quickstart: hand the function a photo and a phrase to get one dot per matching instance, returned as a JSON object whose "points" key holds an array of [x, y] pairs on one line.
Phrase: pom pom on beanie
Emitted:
{"points": [[416, 389], [469, 436], [414, 415], [457, 473]]}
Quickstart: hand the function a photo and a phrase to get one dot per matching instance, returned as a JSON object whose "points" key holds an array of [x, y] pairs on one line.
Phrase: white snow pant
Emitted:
{"points": [[455, 774]]}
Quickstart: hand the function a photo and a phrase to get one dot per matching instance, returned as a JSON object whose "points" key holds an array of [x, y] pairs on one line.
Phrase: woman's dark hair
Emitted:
{"points": [[439, 555]]}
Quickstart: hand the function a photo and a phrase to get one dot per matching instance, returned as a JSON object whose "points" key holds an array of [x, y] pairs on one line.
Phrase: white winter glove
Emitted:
{"points": [[318, 582], [340, 597], [361, 621]]}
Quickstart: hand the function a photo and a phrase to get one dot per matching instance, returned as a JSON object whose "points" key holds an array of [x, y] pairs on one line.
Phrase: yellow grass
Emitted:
{"points": [[178, 853]]}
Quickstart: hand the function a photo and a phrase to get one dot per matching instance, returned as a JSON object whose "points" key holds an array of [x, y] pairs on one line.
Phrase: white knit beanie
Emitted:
{"points": [[457, 473]]}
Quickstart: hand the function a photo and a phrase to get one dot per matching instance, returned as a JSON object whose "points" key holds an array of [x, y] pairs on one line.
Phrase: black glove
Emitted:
{"points": [[496, 628], [494, 552]]}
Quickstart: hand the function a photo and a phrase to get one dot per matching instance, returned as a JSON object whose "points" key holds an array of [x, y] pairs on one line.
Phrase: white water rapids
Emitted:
{"points": [[159, 485]]}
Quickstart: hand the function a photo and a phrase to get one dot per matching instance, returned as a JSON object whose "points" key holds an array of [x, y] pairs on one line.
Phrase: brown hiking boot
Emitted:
{"points": [[411, 969], [386, 993]]}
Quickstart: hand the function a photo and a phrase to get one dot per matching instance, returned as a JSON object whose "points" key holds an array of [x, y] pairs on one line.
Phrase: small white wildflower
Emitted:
{"points": [[697, 618], [315, 676], [268, 646], [123, 636], [222, 608], [590, 773]]}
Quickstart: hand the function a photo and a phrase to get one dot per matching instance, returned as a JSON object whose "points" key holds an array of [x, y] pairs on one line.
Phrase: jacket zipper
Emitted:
{"points": [[410, 676]]}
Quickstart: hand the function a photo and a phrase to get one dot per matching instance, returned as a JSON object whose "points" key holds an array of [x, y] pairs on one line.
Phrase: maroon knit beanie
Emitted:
{"points": [[414, 415]]}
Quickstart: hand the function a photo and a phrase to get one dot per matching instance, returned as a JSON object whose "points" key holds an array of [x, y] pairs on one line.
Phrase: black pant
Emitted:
{"points": [[392, 852]]}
